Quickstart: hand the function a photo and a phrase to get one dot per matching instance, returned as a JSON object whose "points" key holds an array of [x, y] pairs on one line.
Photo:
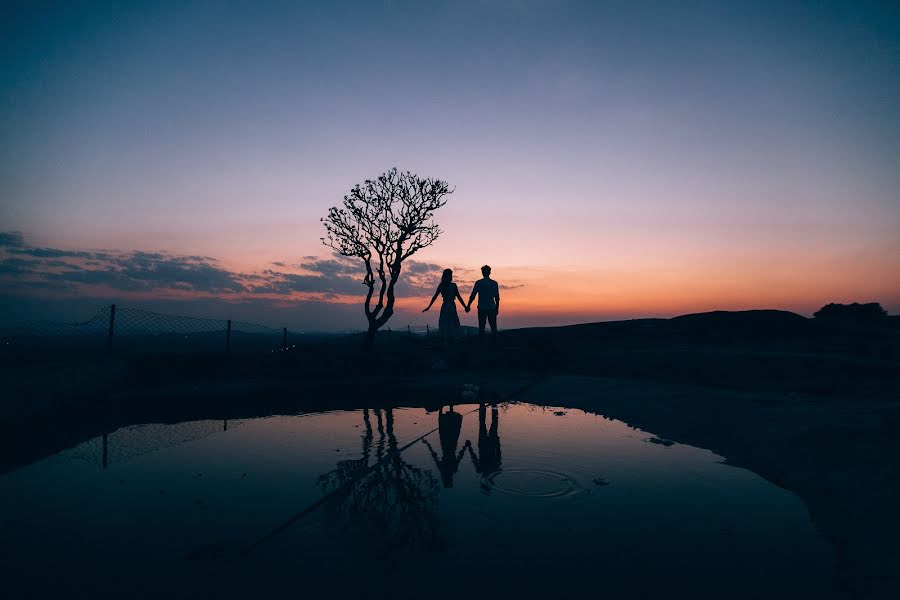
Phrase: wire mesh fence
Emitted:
{"points": [[117, 330], [96, 325]]}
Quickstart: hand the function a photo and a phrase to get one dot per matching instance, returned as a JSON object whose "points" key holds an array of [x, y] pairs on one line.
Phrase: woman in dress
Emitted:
{"points": [[449, 427], [449, 321]]}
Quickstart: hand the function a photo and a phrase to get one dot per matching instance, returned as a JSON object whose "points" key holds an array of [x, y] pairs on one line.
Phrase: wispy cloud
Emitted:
{"points": [[11, 239], [310, 292], [25, 267]]}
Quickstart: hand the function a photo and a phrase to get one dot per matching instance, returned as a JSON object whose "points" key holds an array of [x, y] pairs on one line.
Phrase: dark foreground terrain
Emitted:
{"points": [[812, 407]]}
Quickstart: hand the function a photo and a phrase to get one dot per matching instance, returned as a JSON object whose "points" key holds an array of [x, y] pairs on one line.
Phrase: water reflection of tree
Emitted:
{"points": [[384, 501]]}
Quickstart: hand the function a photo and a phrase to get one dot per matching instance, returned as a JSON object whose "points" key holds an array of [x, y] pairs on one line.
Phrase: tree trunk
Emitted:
{"points": [[369, 338]]}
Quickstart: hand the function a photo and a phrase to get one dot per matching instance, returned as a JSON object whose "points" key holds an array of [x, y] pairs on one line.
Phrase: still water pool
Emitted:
{"points": [[513, 500]]}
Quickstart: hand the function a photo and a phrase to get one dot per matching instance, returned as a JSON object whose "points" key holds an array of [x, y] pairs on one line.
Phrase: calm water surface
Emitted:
{"points": [[515, 500]]}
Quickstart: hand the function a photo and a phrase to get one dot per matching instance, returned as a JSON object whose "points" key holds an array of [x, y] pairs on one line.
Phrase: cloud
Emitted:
{"points": [[274, 282], [55, 253], [26, 267], [17, 266], [109, 278], [325, 278], [11, 239], [417, 268], [422, 278], [340, 266], [194, 273], [314, 293]]}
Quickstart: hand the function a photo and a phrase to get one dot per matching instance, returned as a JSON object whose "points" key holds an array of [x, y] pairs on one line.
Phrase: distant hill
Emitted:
{"points": [[743, 318], [746, 324], [754, 349]]}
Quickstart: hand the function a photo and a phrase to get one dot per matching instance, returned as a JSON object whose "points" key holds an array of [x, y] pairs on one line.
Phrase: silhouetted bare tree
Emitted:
{"points": [[385, 221]]}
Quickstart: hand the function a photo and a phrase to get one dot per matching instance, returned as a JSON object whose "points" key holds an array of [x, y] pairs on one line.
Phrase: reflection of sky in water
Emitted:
{"points": [[563, 501]]}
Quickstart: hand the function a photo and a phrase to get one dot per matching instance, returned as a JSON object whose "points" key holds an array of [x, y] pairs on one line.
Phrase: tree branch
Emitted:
{"points": [[390, 217]]}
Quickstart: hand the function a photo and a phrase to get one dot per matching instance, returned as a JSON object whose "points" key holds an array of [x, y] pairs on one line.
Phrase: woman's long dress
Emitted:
{"points": [[448, 324]]}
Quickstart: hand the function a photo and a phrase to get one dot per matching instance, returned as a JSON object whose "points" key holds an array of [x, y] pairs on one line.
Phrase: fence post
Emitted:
{"points": [[427, 330], [284, 340], [408, 331], [228, 338], [112, 325]]}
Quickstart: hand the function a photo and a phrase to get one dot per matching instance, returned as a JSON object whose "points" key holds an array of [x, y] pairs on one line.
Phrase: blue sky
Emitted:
{"points": [[668, 157]]}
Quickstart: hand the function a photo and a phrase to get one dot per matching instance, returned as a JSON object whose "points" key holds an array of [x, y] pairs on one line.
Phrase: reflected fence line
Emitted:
{"points": [[115, 330], [132, 442]]}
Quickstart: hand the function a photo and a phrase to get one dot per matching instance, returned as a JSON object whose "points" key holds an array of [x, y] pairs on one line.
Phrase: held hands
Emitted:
{"points": [[468, 307]]}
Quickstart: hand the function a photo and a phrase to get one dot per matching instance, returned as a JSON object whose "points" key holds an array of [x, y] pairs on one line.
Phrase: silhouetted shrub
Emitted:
{"points": [[871, 311]]}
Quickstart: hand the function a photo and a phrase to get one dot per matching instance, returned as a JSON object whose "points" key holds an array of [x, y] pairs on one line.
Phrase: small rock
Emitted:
{"points": [[560, 413], [601, 481]]}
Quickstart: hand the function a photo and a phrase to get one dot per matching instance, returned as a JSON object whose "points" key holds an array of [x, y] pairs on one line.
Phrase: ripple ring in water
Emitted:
{"points": [[532, 483]]}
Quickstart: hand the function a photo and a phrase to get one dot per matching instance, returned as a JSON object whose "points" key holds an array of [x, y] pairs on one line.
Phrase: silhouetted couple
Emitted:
{"points": [[488, 459], [488, 293]]}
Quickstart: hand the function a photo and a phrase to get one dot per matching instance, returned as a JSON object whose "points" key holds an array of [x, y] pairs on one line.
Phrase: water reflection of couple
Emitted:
{"points": [[488, 293], [486, 461]]}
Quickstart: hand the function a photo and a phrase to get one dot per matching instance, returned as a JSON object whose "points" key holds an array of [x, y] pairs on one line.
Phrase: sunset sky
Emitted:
{"points": [[609, 159]]}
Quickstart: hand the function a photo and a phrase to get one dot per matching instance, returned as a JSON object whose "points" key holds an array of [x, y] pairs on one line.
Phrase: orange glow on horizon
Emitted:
{"points": [[652, 286]]}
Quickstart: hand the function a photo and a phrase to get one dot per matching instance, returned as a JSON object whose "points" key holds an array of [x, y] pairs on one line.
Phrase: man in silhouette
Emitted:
{"points": [[488, 293], [488, 461]]}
